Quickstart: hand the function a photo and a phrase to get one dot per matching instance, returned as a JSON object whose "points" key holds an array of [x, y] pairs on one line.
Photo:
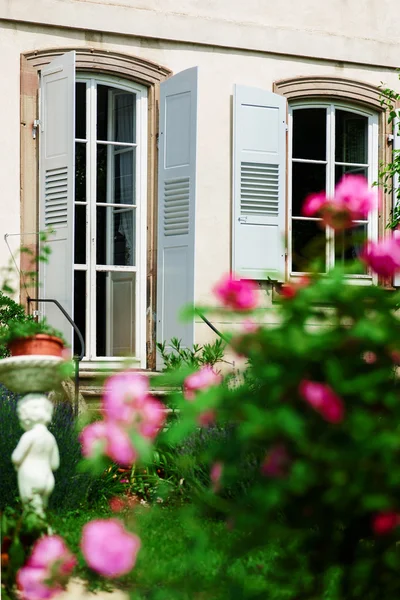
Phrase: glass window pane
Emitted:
{"points": [[80, 113], [306, 179], [116, 236], [341, 170], [116, 174], [115, 318], [309, 133], [349, 243], [79, 307], [80, 172], [308, 244], [351, 137], [80, 234], [116, 115]]}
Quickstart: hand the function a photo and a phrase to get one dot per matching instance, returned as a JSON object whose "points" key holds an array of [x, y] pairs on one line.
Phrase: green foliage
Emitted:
{"points": [[390, 170], [177, 357]]}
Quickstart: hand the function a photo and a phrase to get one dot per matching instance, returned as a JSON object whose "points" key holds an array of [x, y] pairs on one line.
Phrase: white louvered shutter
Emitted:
{"points": [[57, 164], [259, 175], [176, 205]]}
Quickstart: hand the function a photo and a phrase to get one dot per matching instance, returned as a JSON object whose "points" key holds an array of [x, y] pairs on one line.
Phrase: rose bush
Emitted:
{"points": [[319, 409]]}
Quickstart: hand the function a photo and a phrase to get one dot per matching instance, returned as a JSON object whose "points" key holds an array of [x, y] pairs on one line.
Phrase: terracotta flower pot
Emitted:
{"points": [[39, 344]]}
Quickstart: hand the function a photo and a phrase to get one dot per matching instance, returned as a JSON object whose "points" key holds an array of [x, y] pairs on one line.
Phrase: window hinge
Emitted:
{"points": [[390, 138], [35, 126]]}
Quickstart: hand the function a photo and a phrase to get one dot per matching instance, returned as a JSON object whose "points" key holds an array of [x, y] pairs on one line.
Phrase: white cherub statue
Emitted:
{"points": [[36, 456]]}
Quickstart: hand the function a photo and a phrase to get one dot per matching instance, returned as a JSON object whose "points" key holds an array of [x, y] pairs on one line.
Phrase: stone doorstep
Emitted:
{"points": [[76, 591]]}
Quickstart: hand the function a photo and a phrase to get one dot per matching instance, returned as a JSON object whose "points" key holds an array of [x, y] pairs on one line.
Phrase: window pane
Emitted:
{"points": [[309, 133], [80, 113], [79, 307], [80, 172], [116, 173], [116, 115], [351, 137], [308, 243], [116, 236], [349, 243], [341, 170], [115, 318], [306, 179], [80, 234]]}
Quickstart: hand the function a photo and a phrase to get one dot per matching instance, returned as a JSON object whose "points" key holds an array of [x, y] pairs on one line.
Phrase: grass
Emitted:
{"points": [[178, 559]]}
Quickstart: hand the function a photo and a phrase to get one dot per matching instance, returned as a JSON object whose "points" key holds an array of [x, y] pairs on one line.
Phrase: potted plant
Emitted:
{"points": [[20, 334]]}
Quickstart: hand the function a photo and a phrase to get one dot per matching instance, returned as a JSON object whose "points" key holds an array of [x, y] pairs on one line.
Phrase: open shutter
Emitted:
{"points": [[57, 163], [176, 205], [259, 174]]}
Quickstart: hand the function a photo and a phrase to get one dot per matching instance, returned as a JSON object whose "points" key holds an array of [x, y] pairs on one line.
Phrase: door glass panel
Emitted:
{"points": [[309, 133], [308, 243], [116, 236], [306, 179], [351, 137], [116, 171], [79, 307], [80, 112], [80, 234], [116, 115], [115, 317], [80, 172], [349, 244]]}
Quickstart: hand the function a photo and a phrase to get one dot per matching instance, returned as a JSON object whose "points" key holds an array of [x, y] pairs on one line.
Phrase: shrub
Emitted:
{"points": [[177, 357], [12, 314]]}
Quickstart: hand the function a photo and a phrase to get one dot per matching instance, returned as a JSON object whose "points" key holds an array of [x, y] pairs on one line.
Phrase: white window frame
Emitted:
{"points": [[91, 361], [373, 162]]}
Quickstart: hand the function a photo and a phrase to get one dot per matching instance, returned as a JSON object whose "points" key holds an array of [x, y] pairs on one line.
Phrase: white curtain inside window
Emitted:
{"points": [[124, 127]]}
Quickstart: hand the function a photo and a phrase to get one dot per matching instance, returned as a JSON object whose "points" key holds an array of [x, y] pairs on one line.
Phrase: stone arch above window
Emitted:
{"points": [[104, 61], [357, 92]]}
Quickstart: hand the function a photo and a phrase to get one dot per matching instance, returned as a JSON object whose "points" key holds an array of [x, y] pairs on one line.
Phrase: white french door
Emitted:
{"points": [[110, 218]]}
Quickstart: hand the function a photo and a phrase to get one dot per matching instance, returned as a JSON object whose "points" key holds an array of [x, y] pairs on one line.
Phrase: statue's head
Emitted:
{"points": [[34, 409]]}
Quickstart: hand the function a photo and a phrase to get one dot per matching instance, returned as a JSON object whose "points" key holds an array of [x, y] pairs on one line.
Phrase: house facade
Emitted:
{"points": [[165, 144]]}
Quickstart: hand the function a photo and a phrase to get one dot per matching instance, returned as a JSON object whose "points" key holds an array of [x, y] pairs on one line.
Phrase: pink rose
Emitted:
{"points": [[313, 204], [354, 194], [206, 418], [216, 475], [237, 294], [276, 462], [383, 523], [47, 569], [323, 399], [149, 417], [108, 548], [112, 438], [290, 290], [122, 392], [204, 378], [383, 257]]}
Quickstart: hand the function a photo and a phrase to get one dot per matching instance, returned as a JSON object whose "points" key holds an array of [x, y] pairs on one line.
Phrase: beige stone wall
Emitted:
{"points": [[219, 67]]}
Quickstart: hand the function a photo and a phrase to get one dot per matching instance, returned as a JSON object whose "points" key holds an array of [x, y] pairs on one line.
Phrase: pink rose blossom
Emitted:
{"points": [[121, 394], [204, 378], [354, 194], [108, 548], [237, 294], [112, 438], [276, 462], [370, 358], [383, 257], [383, 523], [47, 569], [290, 290], [323, 399], [313, 204], [149, 417], [216, 474], [352, 201], [250, 326], [206, 418]]}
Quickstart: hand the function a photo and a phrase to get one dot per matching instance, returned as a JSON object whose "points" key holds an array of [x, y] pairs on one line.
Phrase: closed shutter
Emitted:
{"points": [[57, 163], [176, 205], [259, 175]]}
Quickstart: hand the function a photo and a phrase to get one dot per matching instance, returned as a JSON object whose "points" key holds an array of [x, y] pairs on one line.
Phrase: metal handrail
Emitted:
{"points": [[77, 358], [215, 330]]}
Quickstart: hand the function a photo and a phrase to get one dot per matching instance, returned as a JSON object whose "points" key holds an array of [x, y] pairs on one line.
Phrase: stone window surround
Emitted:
{"points": [[91, 60]]}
